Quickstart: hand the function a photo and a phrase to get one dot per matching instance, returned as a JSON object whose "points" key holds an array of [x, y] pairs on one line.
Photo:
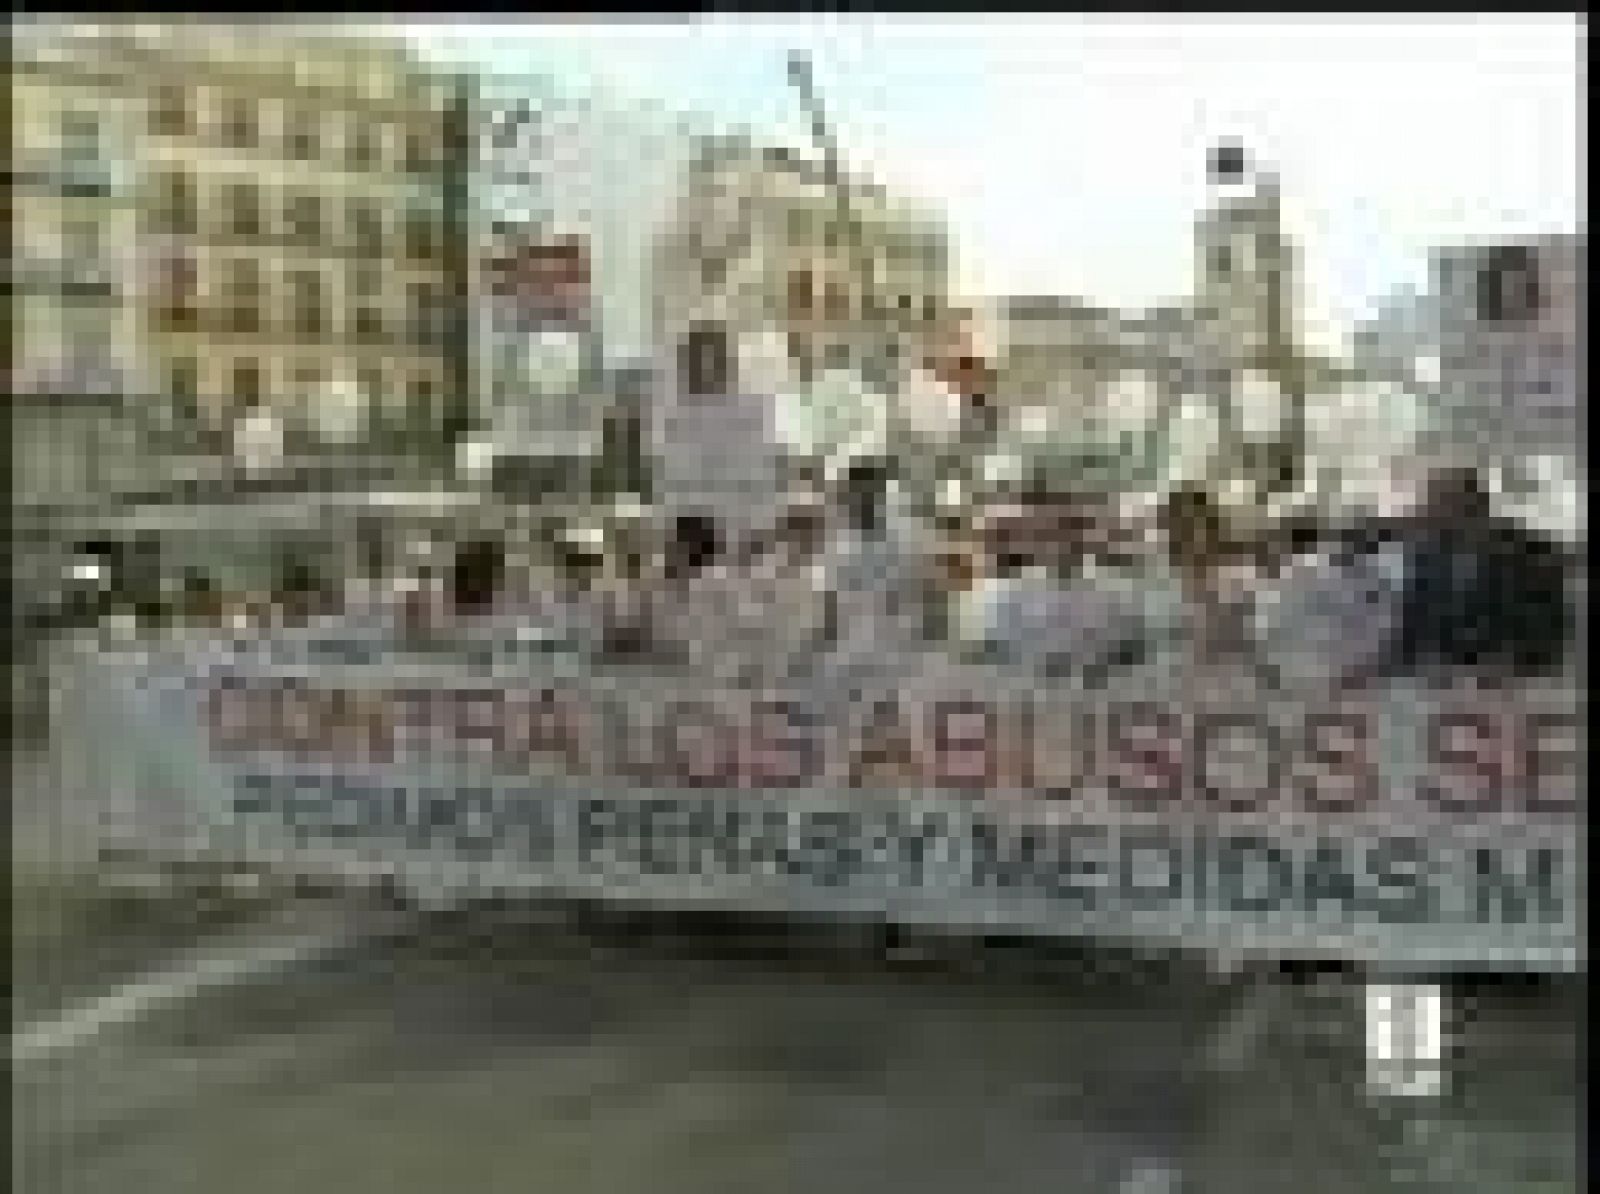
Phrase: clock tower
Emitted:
{"points": [[1244, 268]]}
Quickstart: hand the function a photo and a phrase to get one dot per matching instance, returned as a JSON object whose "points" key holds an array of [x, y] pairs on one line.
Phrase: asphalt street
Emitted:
{"points": [[487, 1052]]}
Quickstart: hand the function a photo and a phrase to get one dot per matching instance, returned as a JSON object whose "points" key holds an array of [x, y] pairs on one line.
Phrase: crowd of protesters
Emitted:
{"points": [[1061, 581]]}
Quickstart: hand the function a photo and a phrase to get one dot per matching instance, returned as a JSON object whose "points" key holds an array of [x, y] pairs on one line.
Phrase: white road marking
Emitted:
{"points": [[175, 985], [1261, 1002], [1151, 1177]]}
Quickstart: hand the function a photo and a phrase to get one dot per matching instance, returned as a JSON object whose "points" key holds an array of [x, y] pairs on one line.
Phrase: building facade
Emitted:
{"points": [[298, 228], [758, 243], [78, 370], [285, 208], [1400, 340], [77, 137], [1511, 351], [569, 188], [764, 284], [1204, 382]]}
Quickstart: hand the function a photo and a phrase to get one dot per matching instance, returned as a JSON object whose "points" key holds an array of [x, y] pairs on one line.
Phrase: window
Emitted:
{"points": [[427, 313], [302, 140], [243, 205], [422, 234], [80, 135], [366, 282], [366, 288], [511, 124], [364, 149], [309, 380], [177, 207], [417, 312], [366, 226], [243, 295], [88, 334], [171, 112], [1508, 285], [308, 303], [1219, 262], [247, 384], [183, 388], [705, 363], [715, 263], [82, 239], [240, 127], [802, 294], [303, 217], [369, 322], [422, 396], [421, 152], [836, 300], [369, 380], [176, 284]]}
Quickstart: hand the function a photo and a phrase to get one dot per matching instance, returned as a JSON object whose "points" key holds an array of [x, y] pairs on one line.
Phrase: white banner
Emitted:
{"points": [[1438, 833]]}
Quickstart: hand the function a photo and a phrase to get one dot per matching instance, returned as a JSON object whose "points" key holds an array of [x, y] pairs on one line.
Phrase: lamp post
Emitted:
{"points": [[852, 227]]}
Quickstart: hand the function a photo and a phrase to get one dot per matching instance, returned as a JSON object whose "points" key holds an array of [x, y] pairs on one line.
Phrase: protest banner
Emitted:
{"points": [[1417, 829]]}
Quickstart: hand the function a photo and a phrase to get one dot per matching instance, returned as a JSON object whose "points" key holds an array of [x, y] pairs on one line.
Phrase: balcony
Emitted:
{"points": [[370, 329], [425, 195], [72, 177], [178, 317], [172, 222], [427, 251], [90, 376], [69, 277], [428, 332]]}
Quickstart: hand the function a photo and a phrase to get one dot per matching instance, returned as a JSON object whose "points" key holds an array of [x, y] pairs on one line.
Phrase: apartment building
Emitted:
{"points": [[1511, 344], [763, 284], [76, 144], [295, 239], [77, 363], [758, 243]]}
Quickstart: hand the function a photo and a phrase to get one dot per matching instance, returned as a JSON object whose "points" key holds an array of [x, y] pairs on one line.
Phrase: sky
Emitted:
{"points": [[1068, 154]]}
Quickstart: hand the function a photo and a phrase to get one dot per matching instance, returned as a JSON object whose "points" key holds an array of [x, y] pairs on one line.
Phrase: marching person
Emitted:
{"points": [[302, 592], [1196, 542], [573, 604], [477, 576], [872, 572], [1481, 592], [671, 611], [958, 568], [773, 610], [1331, 605]]}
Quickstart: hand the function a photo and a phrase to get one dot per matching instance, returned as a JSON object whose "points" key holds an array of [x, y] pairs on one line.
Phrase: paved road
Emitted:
{"points": [[492, 1056]]}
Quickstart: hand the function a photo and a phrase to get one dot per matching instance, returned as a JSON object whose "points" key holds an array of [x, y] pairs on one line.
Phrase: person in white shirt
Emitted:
{"points": [[873, 573], [671, 614], [783, 616], [1329, 612], [1065, 599]]}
